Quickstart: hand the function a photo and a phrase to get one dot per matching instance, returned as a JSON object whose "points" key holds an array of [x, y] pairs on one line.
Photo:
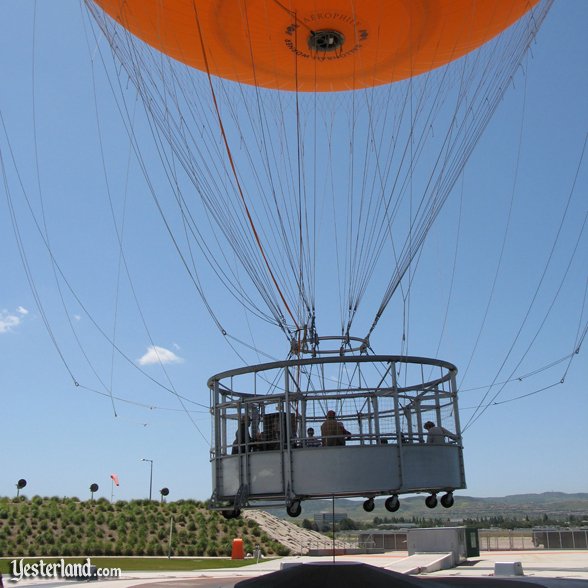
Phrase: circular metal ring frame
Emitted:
{"points": [[450, 369]]}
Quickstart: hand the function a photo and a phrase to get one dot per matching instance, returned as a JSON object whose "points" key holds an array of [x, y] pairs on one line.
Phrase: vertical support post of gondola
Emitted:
{"points": [[408, 416], [254, 424], [398, 425], [453, 387], [453, 384], [221, 417], [376, 416], [218, 420], [438, 417], [303, 417], [246, 451], [287, 432], [417, 408]]}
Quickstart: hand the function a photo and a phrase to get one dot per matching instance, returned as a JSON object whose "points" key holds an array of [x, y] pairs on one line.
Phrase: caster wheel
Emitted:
{"points": [[431, 501], [369, 505], [231, 514], [447, 500], [392, 503], [294, 508]]}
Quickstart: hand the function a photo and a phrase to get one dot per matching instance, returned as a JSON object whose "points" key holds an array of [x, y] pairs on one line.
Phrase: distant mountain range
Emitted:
{"points": [[555, 505]]}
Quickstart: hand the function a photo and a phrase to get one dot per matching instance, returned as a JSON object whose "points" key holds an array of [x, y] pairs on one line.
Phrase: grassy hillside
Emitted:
{"points": [[69, 527]]}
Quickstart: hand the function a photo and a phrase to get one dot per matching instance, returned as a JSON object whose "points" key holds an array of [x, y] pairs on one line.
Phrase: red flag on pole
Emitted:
{"points": [[114, 478]]}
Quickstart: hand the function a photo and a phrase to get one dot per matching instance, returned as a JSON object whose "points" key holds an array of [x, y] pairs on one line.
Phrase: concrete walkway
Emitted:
{"points": [[565, 564]]}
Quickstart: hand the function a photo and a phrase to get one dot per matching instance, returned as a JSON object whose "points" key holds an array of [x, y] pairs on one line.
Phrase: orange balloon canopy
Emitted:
{"points": [[316, 45]]}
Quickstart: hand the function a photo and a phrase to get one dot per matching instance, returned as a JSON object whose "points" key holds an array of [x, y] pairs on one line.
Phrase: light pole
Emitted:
{"points": [[150, 475]]}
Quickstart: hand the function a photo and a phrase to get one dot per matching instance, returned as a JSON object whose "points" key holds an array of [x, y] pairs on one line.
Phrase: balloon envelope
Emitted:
{"points": [[311, 45]]}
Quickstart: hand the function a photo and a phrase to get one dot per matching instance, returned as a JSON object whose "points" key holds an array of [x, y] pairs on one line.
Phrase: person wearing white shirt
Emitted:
{"points": [[436, 434]]}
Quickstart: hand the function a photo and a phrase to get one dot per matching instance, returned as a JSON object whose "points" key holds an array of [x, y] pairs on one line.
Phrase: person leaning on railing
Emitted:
{"points": [[333, 432], [436, 434]]}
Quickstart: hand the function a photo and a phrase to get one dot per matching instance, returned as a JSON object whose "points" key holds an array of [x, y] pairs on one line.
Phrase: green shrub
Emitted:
{"points": [[68, 527], [21, 539], [281, 550]]}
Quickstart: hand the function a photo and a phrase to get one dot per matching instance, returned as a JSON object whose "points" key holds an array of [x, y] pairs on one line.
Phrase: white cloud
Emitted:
{"points": [[22, 310], [157, 354], [77, 317], [8, 321]]}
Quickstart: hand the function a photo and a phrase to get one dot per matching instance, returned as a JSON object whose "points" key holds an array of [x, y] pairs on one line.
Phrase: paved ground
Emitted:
{"points": [[568, 564], [547, 564]]}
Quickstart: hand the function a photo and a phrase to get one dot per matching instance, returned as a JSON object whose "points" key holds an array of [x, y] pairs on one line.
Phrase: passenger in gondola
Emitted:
{"points": [[241, 437], [311, 440], [436, 435], [333, 432]]}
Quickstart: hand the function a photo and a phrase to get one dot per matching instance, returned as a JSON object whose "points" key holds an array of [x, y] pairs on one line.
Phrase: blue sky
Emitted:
{"points": [[62, 437]]}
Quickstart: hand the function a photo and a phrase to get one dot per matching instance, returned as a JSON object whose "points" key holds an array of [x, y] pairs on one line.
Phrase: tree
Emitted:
{"points": [[348, 525]]}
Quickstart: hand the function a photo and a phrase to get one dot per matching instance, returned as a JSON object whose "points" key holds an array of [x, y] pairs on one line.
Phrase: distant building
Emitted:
{"points": [[326, 518]]}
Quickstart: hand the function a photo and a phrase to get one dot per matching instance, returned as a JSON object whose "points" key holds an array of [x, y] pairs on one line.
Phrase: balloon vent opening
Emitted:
{"points": [[326, 40]]}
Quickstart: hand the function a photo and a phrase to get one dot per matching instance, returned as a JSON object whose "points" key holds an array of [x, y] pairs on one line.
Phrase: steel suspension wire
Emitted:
{"points": [[504, 238], [202, 243], [66, 282], [142, 88], [492, 88], [234, 170], [184, 156], [481, 409]]}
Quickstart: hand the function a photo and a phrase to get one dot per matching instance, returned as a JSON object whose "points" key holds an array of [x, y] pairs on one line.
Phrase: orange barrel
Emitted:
{"points": [[238, 552]]}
